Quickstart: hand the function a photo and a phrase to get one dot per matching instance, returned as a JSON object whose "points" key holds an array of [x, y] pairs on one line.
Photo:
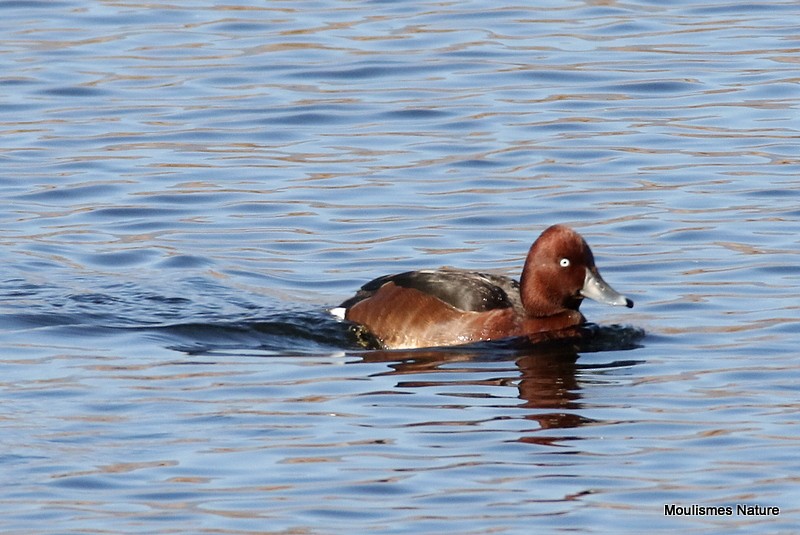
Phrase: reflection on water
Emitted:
{"points": [[189, 187], [544, 374]]}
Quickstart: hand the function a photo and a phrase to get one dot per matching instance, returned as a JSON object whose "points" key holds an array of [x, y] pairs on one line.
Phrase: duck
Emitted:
{"points": [[451, 307]]}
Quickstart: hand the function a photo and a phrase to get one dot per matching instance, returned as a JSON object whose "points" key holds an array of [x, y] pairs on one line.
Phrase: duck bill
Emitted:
{"points": [[595, 288]]}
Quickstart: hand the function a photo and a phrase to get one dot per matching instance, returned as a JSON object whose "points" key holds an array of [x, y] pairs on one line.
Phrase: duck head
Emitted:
{"points": [[560, 272]]}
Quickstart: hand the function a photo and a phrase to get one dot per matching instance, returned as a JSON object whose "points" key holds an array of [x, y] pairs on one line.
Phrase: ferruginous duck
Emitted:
{"points": [[445, 307]]}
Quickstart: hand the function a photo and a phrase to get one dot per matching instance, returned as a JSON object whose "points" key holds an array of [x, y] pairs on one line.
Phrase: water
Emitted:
{"points": [[188, 187]]}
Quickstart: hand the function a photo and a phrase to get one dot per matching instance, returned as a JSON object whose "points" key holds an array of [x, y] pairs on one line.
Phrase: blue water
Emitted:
{"points": [[188, 188]]}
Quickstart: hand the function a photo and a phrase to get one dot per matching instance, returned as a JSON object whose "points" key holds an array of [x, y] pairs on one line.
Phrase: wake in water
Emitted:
{"points": [[224, 325]]}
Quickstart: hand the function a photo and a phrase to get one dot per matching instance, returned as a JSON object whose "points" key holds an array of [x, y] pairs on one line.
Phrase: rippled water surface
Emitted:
{"points": [[189, 186]]}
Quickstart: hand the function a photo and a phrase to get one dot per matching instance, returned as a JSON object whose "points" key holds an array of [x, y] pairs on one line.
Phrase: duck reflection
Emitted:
{"points": [[546, 377]]}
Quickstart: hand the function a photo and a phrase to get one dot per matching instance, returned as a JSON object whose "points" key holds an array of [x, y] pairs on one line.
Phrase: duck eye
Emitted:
{"points": [[564, 262]]}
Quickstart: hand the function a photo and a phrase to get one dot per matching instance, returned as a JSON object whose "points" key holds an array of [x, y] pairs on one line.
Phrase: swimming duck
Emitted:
{"points": [[447, 306]]}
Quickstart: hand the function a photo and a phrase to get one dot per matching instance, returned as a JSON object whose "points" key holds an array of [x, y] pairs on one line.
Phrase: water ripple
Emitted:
{"points": [[190, 187]]}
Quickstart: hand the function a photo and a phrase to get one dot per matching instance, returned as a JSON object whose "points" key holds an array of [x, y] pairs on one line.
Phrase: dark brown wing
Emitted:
{"points": [[465, 290]]}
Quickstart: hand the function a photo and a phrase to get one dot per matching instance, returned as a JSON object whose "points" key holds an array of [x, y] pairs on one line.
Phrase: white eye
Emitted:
{"points": [[564, 262]]}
